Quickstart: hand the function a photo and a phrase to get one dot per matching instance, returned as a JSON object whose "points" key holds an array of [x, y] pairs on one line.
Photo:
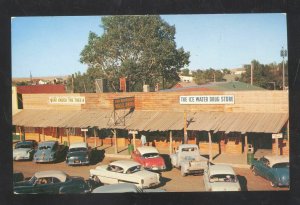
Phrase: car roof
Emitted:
{"points": [[273, 159], [116, 188], [187, 146], [78, 144], [125, 164], [147, 149], [221, 169], [51, 143], [62, 176]]}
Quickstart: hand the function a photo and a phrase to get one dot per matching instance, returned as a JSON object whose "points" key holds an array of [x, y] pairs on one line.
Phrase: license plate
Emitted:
{"points": [[76, 161]]}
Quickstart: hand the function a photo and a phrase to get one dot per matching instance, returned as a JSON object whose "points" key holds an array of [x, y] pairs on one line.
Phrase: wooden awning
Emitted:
{"points": [[153, 120]]}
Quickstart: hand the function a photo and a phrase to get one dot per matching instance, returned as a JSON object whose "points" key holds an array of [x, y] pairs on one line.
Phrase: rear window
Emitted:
{"points": [[23, 145], [191, 149], [281, 165], [134, 169], [223, 178], [78, 149], [44, 147], [151, 155]]}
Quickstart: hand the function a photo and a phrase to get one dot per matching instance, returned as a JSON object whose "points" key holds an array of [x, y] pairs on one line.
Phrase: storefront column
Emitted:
{"points": [[246, 144], [20, 132], [210, 146], [276, 144], [115, 138], [85, 136], [133, 139], [171, 143], [95, 138], [44, 133], [68, 136]]}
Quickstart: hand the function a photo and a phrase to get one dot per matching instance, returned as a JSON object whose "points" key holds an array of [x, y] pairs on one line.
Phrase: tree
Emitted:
{"points": [[185, 72], [141, 48], [209, 75]]}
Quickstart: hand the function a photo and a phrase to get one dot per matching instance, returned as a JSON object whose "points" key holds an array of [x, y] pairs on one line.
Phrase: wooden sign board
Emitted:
{"points": [[132, 132], [124, 103], [277, 136]]}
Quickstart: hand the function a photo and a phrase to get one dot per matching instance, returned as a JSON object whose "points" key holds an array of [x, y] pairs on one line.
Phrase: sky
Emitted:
{"points": [[51, 46]]}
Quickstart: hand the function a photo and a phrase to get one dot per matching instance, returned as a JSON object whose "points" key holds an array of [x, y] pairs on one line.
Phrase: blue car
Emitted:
{"points": [[273, 168], [49, 151]]}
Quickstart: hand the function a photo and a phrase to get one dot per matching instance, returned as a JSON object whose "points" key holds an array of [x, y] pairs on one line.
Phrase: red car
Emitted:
{"points": [[149, 158]]}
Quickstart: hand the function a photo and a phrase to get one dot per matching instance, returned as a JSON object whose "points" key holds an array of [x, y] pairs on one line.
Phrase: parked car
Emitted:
{"points": [[79, 154], [124, 188], [49, 151], [17, 177], [220, 178], [149, 158], [273, 168], [188, 159], [125, 171], [52, 182], [24, 150]]}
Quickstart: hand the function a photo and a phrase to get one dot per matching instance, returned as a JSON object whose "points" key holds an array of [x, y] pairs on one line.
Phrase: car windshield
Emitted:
{"points": [[23, 145], [134, 169], [223, 178], [281, 165], [43, 147], [189, 149], [78, 149], [150, 155]]}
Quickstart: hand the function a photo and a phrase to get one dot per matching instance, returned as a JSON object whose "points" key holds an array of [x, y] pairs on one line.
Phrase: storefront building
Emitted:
{"points": [[221, 121]]}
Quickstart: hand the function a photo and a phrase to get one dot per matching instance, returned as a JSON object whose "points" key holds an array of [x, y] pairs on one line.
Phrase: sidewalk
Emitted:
{"points": [[235, 160]]}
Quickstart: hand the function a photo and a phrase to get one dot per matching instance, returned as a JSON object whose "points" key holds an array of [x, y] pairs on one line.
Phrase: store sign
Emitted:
{"points": [[84, 130], [133, 132], [277, 136], [124, 103], [207, 100], [70, 100]]}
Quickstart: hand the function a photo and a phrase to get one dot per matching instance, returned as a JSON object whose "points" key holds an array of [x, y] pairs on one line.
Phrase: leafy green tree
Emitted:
{"points": [[185, 72], [206, 76], [141, 48]]}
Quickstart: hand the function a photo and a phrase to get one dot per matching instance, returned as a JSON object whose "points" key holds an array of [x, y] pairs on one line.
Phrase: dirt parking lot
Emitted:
{"points": [[171, 180]]}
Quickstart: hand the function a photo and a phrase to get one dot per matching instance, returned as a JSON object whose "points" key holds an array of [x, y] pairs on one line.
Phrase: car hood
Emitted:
{"points": [[77, 154], [225, 186], [21, 150]]}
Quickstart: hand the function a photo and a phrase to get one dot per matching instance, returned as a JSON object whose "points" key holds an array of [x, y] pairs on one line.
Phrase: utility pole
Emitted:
{"points": [[283, 53]]}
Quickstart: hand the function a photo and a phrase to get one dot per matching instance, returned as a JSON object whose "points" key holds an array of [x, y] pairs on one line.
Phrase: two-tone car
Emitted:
{"points": [[52, 182], [273, 168], [78, 154], [49, 151], [24, 150], [125, 171], [149, 158], [220, 178]]}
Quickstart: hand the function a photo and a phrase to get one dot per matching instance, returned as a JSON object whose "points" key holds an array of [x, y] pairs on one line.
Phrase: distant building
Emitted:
{"points": [[186, 78]]}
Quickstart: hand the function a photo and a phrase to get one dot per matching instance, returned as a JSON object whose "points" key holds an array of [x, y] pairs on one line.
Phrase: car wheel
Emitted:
{"points": [[253, 171], [273, 184]]}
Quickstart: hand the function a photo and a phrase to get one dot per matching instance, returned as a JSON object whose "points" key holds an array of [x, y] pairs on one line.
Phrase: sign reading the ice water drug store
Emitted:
{"points": [[68, 100], [207, 100]]}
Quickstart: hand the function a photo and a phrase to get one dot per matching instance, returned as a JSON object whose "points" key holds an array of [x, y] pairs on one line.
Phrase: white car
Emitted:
{"points": [[221, 178], [125, 171], [24, 150]]}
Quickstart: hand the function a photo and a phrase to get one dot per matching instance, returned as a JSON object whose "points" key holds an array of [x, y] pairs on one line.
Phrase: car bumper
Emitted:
{"points": [[16, 158], [78, 162], [43, 160], [154, 168]]}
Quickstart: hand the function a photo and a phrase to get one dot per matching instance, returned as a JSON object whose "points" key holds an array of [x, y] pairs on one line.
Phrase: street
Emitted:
{"points": [[171, 180]]}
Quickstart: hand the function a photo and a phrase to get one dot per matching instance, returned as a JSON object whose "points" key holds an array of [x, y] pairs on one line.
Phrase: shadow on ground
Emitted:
{"points": [[97, 156], [243, 182], [167, 160], [163, 181]]}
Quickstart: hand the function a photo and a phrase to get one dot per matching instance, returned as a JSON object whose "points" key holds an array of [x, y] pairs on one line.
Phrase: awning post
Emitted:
{"points": [[210, 146], [20, 132], [171, 143], [68, 136], [133, 139], [276, 144], [44, 133], [184, 129], [115, 138], [95, 139], [85, 136], [246, 144]]}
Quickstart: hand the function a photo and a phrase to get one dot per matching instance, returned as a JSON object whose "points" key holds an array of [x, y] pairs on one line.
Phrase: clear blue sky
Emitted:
{"points": [[51, 46]]}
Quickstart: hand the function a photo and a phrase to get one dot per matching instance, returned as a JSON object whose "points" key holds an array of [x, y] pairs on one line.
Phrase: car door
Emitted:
{"points": [[42, 185], [264, 167]]}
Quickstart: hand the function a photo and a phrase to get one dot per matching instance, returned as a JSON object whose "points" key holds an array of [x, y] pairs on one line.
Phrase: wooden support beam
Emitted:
{"points": [[44, 134], [20, 132], [276, 142], [171, 143], [133, 139], [85, 136], [210, 146], [68, 136], [95, 137], [246, 144], [115, 138]]}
